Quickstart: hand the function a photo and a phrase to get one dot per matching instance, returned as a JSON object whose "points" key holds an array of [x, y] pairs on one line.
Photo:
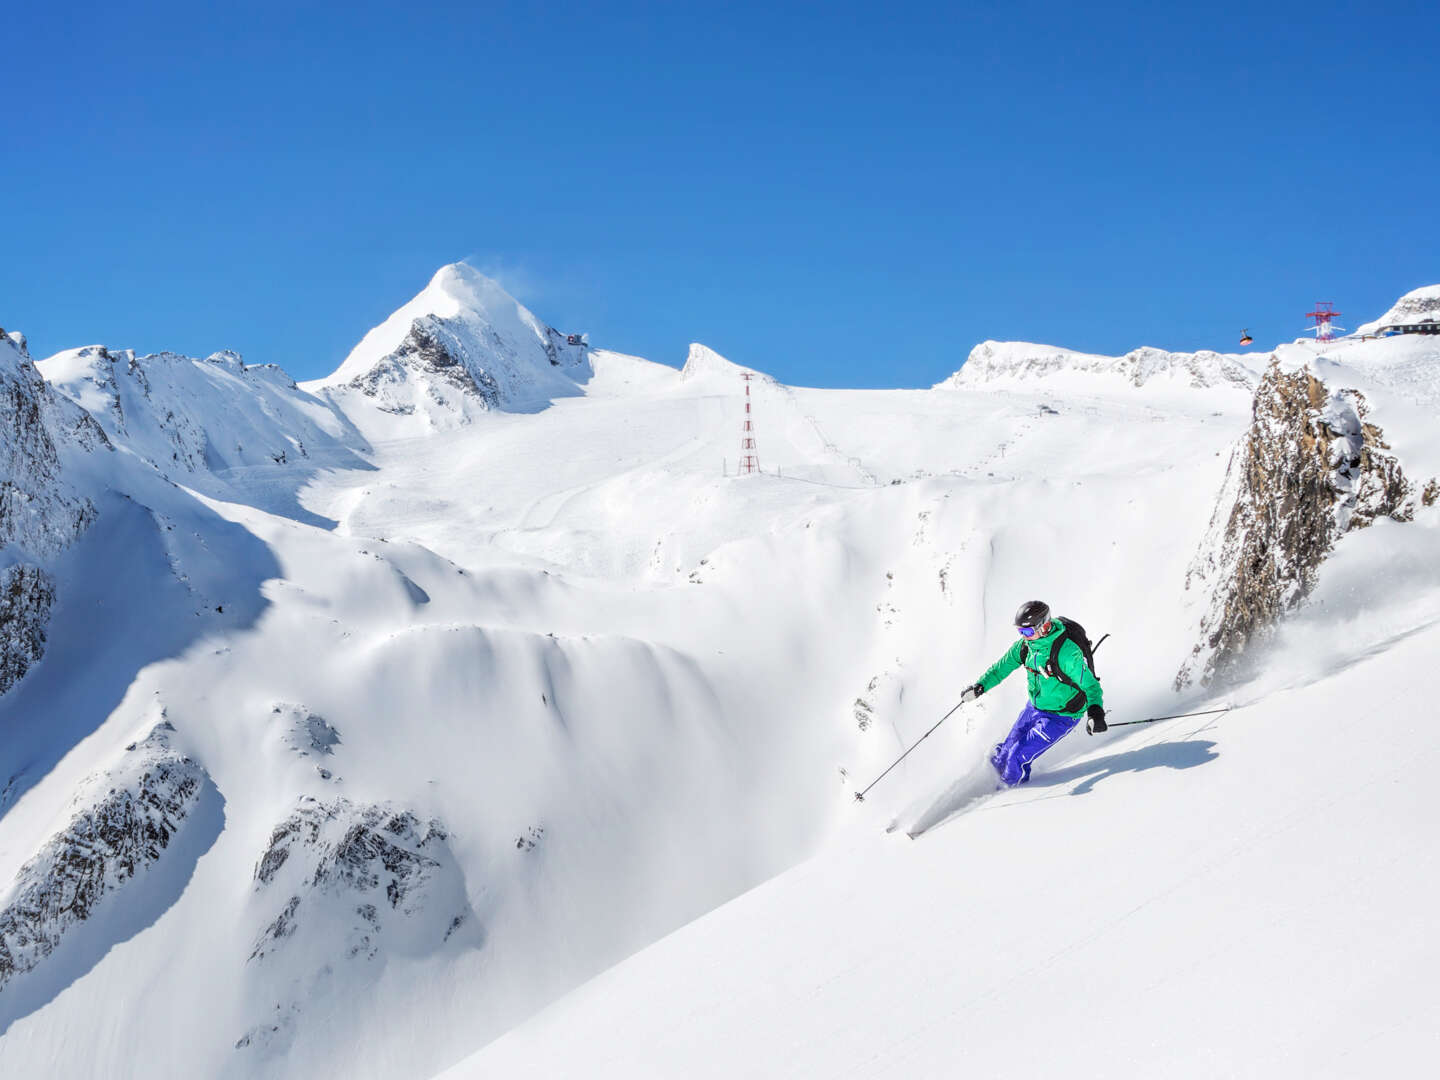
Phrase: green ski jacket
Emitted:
{"points": [[1048, 692]]}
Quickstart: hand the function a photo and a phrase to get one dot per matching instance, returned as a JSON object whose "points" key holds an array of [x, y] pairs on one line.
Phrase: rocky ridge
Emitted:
{"points": [[124, 821], [1310, 468], [188, 417], [40, 513]]}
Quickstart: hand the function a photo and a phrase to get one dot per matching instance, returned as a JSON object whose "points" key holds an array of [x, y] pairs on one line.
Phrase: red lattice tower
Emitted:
{"points": [[1323, 315], [749, 460]]}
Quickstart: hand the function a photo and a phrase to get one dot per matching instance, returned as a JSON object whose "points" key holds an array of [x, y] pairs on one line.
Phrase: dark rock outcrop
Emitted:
{"points": [[433, 349], [1310, 469], [26, 596], [40, 514], [116, 834], [364, 870]]}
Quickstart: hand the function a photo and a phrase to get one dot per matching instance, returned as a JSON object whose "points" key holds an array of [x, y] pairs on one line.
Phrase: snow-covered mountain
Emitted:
{"points": [[237, 431], [1416, 306], [350, 751], [461, 347], [994, 363]]}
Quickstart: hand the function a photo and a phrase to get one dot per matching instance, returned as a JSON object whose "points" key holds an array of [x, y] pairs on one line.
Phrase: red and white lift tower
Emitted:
{"points": [[749, 460], [1324, 314]]}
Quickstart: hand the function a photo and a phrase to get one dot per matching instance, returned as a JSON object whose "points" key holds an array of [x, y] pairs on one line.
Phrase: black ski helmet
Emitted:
{"points": [[1033, 613]]}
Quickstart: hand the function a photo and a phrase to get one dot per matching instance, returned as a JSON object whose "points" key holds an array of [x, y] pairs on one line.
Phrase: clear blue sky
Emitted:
{"points": [[841, 194]]}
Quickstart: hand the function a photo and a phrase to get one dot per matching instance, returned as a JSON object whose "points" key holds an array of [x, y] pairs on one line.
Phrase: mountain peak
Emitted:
{"points": [[462, 343], [704, 361], [468, 288]]}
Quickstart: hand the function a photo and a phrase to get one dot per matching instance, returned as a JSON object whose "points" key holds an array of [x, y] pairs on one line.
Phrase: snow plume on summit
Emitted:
{"points": [[461, 347]]}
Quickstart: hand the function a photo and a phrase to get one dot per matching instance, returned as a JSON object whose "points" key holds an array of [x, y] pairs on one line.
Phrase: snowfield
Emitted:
{"points": [[516, 735]]}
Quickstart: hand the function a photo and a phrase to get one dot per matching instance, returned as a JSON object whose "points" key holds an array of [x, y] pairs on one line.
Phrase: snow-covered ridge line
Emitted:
{"points": [[125, 820], [187, 416], [995, 362]]}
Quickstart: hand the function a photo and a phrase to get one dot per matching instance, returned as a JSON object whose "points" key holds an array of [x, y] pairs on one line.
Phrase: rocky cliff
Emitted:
{"points": [[1310, 468], [40, 513]]}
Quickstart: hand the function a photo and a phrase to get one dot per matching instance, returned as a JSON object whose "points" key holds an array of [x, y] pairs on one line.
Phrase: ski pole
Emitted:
{"points": [[1177, 716], [860, 795]]}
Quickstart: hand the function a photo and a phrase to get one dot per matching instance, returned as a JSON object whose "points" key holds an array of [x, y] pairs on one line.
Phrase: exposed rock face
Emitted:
{"points": [[39, 513], [125, 821], [462, 346], [364, 870], [1309, 470], [430, 348], [346, 883], [26, 596]]}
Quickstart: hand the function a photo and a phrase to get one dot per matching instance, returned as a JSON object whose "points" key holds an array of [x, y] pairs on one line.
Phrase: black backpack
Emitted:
{"points": [[1072, 630]]}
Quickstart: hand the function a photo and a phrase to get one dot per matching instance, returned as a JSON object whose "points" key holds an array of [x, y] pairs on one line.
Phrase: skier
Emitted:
{"points": [[1062, 685]]}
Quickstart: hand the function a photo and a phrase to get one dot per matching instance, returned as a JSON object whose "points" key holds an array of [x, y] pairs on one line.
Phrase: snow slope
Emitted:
{"points": [[1239, 895], [1231, 895], [479, 708]]}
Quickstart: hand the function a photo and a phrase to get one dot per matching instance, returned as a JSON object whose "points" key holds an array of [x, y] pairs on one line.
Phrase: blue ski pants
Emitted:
{"points": [[1034, 732]]}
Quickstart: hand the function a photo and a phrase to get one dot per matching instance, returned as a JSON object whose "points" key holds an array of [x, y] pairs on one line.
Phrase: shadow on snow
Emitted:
{"points": [[1174, 755], [980, 783], [123, 603]]}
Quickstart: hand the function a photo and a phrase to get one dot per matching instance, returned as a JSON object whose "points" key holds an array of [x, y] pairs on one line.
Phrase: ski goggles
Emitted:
{"points": [[1028, 631]]}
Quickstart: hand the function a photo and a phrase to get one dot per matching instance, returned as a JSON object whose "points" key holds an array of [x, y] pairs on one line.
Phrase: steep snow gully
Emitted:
{"points": [[464, 714]]}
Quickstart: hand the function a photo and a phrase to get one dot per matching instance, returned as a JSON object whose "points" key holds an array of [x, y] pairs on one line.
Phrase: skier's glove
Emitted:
{"points": [[1095, 720], [971, 693]]}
